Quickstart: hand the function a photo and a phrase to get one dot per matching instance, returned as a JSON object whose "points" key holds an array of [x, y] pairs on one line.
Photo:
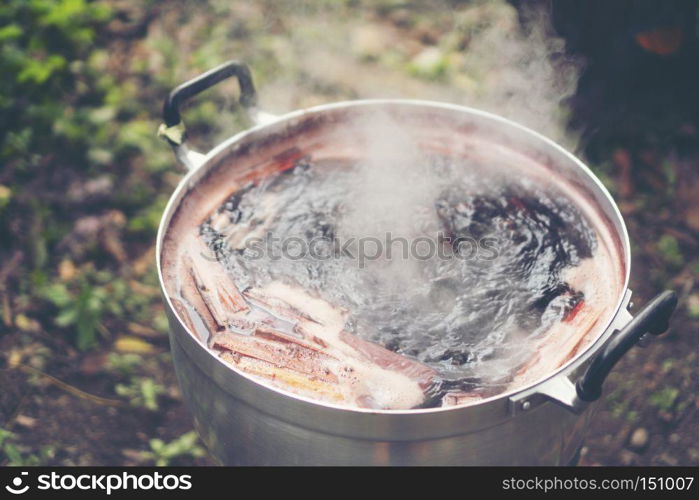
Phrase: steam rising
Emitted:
{"points": [[491, 60], [392, 185], [526, 75], [390, 195], [519, 73]]}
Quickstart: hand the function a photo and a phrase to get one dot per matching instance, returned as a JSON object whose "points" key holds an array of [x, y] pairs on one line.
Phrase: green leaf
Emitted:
{"points": [[66, 317], [86, 338], [150, 393], [38, 70], [664, 398], [10, 31], [669, 249], [14, 457], [58, 294]]}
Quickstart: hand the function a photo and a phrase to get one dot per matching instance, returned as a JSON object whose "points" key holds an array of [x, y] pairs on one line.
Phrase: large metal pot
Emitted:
{"points": [[245, 422]]}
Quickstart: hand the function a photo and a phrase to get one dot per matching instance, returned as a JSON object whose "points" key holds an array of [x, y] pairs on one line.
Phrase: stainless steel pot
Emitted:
{"points": [[244, 422]]}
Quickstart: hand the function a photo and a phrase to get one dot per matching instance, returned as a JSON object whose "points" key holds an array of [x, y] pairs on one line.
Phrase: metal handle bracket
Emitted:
{"points": [[654, 318], [173, 129], [627, 330]]}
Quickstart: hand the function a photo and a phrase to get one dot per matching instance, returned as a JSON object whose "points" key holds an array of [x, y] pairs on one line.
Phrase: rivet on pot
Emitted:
{"points": [[526, 405]]}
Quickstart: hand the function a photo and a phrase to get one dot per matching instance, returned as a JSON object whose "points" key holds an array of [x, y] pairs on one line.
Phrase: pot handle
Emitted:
{"points": [[173, 129], [653, 318]]}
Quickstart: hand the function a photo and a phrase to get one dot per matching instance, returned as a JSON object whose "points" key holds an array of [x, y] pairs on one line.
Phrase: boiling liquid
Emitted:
{"points": [[481, 284]]}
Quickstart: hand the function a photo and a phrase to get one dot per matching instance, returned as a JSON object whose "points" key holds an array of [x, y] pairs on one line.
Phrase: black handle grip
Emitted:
{"points": [[653, 318], [248, 96]]}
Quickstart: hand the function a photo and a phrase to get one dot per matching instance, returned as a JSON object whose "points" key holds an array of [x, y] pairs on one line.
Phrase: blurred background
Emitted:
{"points": [[85, 372]]}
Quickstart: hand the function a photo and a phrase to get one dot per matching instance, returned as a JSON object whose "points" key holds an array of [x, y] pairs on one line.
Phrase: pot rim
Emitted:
{"points": [[193, 176]]}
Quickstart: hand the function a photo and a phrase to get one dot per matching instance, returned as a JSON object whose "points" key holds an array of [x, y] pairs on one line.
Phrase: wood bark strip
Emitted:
{"points": [[389, 360], [285, 378], [294, 356]]}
